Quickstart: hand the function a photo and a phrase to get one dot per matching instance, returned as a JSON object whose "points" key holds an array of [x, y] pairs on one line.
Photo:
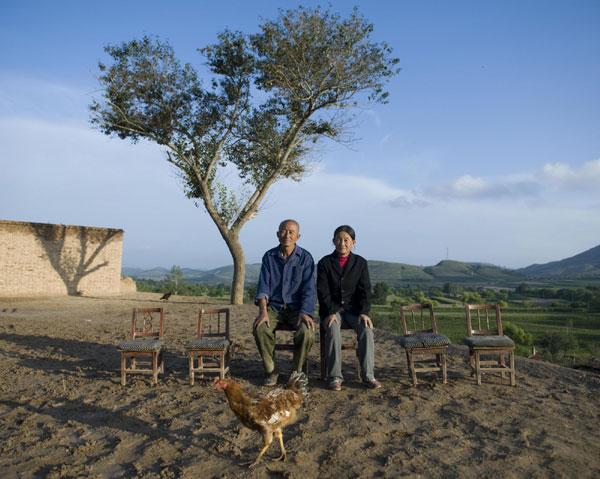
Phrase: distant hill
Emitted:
{"points": [[380, 271], [395, 273], [225, 275], [222, 275], [155, 273], [456, 271], [581, 266]]}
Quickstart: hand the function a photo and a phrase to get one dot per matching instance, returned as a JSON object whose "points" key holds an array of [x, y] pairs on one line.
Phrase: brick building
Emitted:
{"points": [[54, 260]]}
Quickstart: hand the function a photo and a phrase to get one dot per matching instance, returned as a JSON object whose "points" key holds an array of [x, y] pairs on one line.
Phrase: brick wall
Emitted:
{"points": [[54, 260]]}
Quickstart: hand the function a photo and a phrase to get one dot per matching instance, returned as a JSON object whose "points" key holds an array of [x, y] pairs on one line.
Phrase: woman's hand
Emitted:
{"points": [[329, 320], [365, 319]]}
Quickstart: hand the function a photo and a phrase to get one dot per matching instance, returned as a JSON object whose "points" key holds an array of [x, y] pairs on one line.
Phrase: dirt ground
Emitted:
{"points": [[64, 413]]}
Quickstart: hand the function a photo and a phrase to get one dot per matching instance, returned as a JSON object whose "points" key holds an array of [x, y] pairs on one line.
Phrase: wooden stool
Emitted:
{"points": [[421, 338], [489, 342], [146, 342], [212, 343]]}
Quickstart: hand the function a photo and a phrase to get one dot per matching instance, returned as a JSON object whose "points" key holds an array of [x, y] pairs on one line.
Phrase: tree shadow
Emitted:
{"points": [[89, 359], [96, 416], [73, 264]]}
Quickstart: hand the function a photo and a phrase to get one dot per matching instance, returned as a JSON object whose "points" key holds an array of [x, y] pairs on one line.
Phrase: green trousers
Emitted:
{"points": [[265, 338]]}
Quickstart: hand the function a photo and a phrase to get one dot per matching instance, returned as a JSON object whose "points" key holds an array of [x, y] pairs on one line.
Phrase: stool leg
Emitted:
{"points": [[444, 371], [411, 366], [513, 380], [471, 361], [155, 368], [478, 367], [191, 364], [123, 367], [222, 361]]}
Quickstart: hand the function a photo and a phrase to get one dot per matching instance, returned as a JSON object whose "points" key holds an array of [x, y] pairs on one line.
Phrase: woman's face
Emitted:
{"points": [[343, 243]]}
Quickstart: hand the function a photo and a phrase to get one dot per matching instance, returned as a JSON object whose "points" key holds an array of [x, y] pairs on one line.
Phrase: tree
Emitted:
{"points": [[273, 96], [453, 289], [419, 297], [380, 293], [556, 342], [518, 334], [174, 280]]}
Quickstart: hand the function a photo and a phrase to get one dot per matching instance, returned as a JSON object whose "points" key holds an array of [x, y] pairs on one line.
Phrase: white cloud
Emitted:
{"points": [[586, 176], [468, 187]]}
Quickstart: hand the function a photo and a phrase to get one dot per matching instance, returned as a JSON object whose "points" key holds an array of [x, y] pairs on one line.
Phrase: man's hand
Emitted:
{"points": [[329, 320], [365, 319], [262, 317], [308, 320]]}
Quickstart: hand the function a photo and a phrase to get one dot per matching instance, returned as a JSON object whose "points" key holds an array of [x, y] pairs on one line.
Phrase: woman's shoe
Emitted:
{"points": [[373, 384], [335, 386]]}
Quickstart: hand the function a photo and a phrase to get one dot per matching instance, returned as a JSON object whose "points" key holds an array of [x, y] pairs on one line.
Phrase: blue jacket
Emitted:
{"points": [[290, 283]]}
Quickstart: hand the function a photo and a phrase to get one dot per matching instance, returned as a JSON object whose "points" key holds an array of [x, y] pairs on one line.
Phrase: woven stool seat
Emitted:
{"points": [[424, 341], [216, 344], [489, 342], [142, 345]]}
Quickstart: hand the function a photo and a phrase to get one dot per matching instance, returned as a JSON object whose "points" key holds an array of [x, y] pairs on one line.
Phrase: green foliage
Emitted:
{"points": [[185, 289], [380, 293], [471, 297], [419, 297], [558, 342], [250, 293], [517, 334], [175, 280], [453, 289]]}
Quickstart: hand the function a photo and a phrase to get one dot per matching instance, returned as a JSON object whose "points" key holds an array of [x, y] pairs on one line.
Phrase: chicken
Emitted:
{"points": [[266, 413]]}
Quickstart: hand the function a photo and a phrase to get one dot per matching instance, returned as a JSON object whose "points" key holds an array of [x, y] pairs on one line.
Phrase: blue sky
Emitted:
{"points": [[488, 150]]}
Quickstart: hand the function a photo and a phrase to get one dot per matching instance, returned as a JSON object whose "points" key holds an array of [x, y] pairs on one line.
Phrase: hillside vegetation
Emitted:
{"points": [[584, 265]]}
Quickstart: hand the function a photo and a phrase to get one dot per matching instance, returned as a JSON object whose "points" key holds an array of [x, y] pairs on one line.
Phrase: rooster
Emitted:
{"points": [[266, 413]]}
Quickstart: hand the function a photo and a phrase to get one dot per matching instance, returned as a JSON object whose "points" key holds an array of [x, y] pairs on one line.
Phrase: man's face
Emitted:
{"points": [[288, 234]]}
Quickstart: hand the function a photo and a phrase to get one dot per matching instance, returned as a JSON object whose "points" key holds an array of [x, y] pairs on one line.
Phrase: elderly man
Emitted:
{"points": [[286, 284]]}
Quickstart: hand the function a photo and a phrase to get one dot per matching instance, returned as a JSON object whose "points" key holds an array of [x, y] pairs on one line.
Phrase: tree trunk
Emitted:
{"points": [[239, 269]]}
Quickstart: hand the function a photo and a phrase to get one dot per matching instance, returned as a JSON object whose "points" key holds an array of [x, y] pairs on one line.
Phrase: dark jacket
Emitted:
{"points": [[343, 290]]}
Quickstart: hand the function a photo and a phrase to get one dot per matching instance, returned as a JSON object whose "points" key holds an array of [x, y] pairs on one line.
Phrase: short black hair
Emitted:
{"points": [[345, 229]]}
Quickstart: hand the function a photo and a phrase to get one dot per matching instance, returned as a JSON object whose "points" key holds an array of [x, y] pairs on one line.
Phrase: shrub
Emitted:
{"points": [[518, 334]]}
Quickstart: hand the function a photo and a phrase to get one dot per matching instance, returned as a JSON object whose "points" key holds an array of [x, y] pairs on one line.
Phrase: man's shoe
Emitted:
{"points": [[373, 384], [271, 378]]}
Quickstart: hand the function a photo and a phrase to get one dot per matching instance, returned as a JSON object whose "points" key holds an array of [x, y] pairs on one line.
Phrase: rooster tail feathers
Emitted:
{"points": [[299, 380]]}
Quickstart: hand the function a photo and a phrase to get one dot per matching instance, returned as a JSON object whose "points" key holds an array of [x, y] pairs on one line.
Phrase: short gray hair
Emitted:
{"points": [[288, 221]]}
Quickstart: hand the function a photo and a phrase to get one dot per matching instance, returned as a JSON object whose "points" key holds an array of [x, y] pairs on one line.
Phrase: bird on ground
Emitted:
{"points": [[269, 412], [166, 296]]}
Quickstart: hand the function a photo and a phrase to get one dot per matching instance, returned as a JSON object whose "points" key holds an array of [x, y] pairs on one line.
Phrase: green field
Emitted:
{"points": [[451, 321]]}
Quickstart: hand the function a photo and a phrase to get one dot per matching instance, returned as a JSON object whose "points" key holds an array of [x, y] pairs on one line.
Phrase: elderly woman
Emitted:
{"points": [[344, 292]]}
